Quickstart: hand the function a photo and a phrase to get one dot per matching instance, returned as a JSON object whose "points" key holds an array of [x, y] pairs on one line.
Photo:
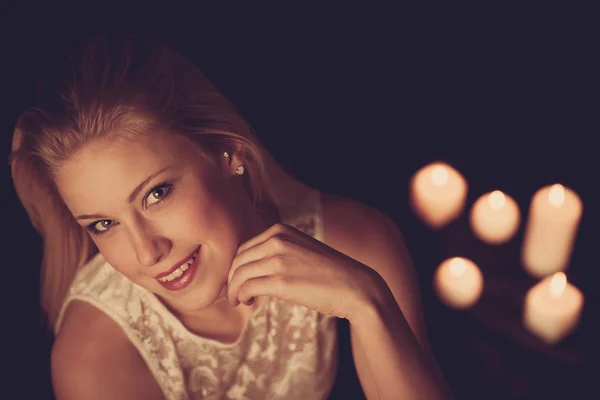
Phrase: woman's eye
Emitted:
{"points": [[157, 194], [104, 225]]}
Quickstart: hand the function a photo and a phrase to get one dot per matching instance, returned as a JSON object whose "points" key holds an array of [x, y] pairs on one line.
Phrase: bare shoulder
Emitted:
{"points": [[93, 359], [374, 239], [351, 224]]}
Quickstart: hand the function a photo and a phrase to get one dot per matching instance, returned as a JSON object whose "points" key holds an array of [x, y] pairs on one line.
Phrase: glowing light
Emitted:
{"points": [[497, 200], [556, 196], [439, 175], [558, 284], [457, 267]]}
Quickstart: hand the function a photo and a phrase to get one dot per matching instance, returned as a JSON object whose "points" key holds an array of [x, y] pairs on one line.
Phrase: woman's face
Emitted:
{"points": [[150, 205]]}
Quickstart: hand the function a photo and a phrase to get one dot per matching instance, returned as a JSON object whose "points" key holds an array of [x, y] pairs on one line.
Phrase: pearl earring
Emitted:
{"points": [[239, 170]]}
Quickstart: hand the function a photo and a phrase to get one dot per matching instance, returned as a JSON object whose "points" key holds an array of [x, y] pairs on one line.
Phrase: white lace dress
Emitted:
{"points": [[285, 351]]}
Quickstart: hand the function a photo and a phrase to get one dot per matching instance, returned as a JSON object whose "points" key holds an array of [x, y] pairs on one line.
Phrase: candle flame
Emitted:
{"points": [[439, 175], [497, 200], [556, 196], [558, 284], [457, 266]]}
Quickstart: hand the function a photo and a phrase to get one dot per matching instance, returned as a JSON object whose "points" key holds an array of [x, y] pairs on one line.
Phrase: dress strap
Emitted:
{"points": [[305, 215]]}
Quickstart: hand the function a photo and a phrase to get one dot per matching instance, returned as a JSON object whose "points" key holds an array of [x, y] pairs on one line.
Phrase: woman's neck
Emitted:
{"points": [[283, 189]]}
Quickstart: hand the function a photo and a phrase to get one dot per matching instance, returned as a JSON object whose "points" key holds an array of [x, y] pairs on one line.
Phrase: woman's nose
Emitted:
{"points": [[149, 246]]}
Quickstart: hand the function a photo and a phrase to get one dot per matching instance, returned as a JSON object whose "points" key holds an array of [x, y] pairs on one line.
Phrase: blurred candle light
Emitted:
{"points": [[495, 217], [458, 283], [552, 308], [438, 193], [554, 216]]}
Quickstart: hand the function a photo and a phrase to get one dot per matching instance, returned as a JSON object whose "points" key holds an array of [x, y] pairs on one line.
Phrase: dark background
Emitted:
{"points": [[354, 101]]}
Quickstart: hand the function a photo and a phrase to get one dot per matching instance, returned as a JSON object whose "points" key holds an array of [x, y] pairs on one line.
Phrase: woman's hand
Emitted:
{"points": [[288, 264]]}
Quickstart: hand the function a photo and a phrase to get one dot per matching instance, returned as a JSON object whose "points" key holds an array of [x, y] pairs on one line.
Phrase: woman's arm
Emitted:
{"points": [[93, 359], [389, 341], [390, 362], [349, 275]]}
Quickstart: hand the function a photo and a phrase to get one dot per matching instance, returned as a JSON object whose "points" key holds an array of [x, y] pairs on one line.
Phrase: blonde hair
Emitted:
{"points": [[116, 87]]}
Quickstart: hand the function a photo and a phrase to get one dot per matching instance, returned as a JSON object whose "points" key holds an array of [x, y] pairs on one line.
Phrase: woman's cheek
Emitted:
{"points": [[193, 218], [121, 257], [119, 251], [200, 213]]}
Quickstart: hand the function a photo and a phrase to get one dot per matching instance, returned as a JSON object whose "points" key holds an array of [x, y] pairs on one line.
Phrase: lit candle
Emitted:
{"points": [[552, 308], [495, 217], [438, 194], [458, 282], [554, 216]]}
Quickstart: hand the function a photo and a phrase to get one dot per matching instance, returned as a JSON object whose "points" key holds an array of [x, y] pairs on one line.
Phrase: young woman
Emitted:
{"points": [[182, 262]]}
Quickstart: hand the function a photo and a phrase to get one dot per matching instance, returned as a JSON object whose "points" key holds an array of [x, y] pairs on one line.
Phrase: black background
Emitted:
{"points": [[354, 101]]}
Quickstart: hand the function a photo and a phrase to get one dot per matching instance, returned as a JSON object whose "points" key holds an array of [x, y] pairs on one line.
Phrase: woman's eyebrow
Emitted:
{"points": [[139, 187], [131, 197]]}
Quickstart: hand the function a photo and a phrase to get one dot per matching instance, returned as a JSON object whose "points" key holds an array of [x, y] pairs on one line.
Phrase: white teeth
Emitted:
{"points": [[179, 271]]}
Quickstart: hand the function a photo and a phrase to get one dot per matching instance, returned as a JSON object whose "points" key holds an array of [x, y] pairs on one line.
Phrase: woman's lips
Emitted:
{"points": [[179, 264], [186, 278]]}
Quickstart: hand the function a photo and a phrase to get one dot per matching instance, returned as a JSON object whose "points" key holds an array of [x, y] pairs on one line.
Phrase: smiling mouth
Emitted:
{"points": [[179, 271]]}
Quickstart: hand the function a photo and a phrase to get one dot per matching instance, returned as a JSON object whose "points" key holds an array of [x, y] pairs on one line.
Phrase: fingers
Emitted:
{"points": [[265, 267], [262, 256], [266, 248], [273, 285], [274, 230]]}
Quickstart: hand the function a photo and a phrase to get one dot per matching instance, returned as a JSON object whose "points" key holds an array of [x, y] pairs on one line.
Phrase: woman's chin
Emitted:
{"points": [[194, 302]]}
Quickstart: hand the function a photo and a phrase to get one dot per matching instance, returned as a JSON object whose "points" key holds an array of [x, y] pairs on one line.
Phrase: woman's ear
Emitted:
{"points": [[17, 141], [234, 158]]}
